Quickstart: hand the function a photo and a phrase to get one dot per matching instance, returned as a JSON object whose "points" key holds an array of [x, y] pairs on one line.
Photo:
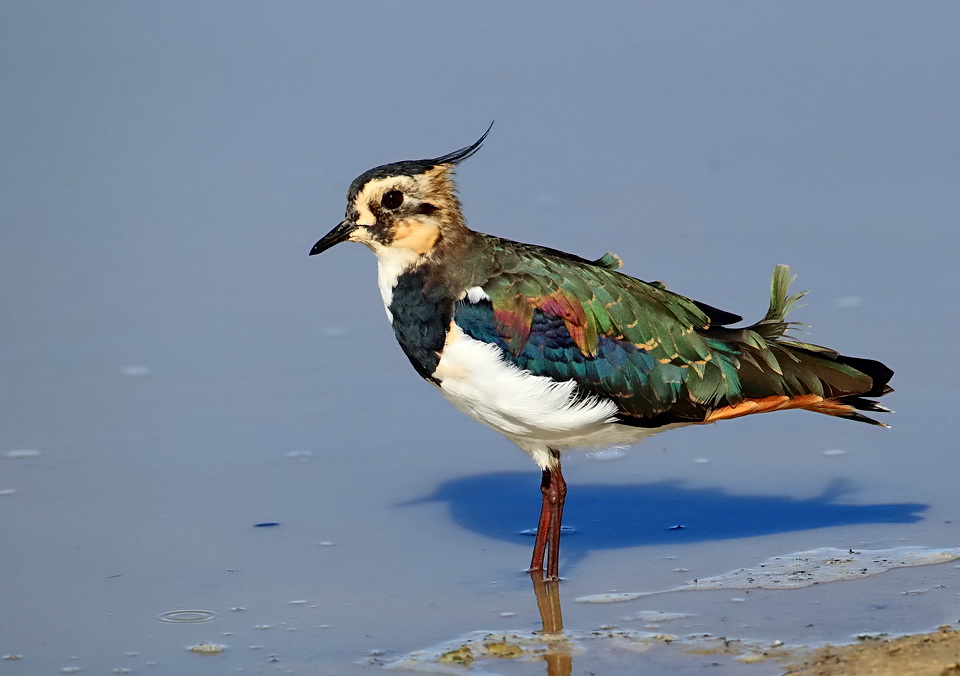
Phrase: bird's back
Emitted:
{"points": [[661, 357]]}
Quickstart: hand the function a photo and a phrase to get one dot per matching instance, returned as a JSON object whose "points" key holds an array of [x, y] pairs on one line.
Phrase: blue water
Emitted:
{"points": [[187, 372]]}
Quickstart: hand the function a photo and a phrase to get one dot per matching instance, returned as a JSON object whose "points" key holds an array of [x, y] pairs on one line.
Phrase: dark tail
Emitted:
{"points": [[812, 377]]}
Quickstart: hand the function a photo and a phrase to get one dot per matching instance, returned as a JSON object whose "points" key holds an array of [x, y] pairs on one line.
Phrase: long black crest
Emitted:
{"points": [[458, 156], [414, 167]]}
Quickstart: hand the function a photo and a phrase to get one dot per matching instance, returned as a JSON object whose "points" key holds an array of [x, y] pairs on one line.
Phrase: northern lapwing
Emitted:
{"points": [[556, 352]]}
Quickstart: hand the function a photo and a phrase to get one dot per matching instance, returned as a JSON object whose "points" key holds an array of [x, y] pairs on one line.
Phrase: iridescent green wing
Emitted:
{"points": [[570, 319]]}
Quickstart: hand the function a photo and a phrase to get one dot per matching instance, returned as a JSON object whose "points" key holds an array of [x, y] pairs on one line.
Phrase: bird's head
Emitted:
{"points": [[408, 206]]}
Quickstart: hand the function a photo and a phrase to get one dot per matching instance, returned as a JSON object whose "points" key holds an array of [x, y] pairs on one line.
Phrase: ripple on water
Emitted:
{"points": [[23, 453], [564, 530], [186, 616]]}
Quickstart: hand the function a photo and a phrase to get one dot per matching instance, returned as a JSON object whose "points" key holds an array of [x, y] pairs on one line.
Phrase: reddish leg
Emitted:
{"points": [[540, 546], [554, 490]]}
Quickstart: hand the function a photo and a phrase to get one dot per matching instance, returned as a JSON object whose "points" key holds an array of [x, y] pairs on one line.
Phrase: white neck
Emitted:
{"points": [[391, 263]]}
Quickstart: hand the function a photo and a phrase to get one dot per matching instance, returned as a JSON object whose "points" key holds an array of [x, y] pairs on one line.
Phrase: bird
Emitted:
{"points": [[559, 352]]}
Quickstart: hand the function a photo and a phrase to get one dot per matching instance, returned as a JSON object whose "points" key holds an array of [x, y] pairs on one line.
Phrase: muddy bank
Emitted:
{"points": [[933, 654]]}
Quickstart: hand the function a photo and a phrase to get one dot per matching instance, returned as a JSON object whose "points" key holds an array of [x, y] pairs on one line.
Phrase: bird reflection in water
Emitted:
{"points": [[557, 656]]}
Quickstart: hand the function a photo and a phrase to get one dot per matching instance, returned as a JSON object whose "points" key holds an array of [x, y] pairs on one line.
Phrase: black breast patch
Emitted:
{"points": [[421, 317]]}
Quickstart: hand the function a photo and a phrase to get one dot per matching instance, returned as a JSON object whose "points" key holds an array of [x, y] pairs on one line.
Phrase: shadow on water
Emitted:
{"points": [[502, 505]]}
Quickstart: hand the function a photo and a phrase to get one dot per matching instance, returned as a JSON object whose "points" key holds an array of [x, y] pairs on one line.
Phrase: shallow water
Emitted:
{"points": [[184, 375]]}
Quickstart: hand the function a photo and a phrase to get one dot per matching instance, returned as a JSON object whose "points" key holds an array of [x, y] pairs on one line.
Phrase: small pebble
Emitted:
{"points": [[207, 648]]}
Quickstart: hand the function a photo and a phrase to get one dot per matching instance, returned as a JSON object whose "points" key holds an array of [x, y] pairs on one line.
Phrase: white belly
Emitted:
{"points": [[535, 412]]}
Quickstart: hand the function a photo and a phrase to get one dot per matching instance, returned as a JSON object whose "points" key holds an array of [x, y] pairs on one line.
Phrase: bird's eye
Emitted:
{"points": [[392, 199]]}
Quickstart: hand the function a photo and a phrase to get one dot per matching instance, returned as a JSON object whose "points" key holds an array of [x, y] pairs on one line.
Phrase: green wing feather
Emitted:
{"points": [[673, 363], [652, 351]]}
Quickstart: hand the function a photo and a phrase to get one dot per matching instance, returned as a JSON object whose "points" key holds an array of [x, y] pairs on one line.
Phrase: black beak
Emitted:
{"points": [[335, 236]]}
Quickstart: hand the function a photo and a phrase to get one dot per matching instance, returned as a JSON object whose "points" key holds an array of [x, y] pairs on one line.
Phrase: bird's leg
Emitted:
{"points": [[554, 490], [543, 525], [556, 493]]}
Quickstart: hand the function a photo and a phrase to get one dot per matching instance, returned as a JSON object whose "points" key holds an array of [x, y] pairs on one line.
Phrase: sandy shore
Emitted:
{"points": [[933, 654]]}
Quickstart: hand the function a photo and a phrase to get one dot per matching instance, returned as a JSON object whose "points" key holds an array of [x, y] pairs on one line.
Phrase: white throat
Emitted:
{"points": [[391, 263]]}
